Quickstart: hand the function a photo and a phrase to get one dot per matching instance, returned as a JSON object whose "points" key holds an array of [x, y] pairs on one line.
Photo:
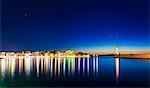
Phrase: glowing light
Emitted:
{"points": [[83, 66], [46, 66], [117, 69], [97, 67], [72, 65], [51, 64], [13, 68], [94, 66], [88, 68], [37, 66], [29, 54], [3, 67], [68, 67], [20, 65], [55, 67], [27, 67], [64, 66], [59, 67], [42, 66], [78, 65]]}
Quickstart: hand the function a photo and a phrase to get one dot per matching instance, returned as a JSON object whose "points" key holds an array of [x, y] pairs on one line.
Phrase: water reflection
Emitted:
{"points": [[3, 67], [78, 65], [83, 66], [52, 68], [117, 68], [97, 67], [37, 67], [27, 67], [88, 66], [64, 67]]}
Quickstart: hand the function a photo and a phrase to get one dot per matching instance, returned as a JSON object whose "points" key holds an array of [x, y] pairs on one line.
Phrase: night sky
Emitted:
{"points": [[84, 25]]}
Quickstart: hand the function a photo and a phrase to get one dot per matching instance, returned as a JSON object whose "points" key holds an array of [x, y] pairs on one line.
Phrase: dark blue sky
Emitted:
{"points": [[74, 24]]}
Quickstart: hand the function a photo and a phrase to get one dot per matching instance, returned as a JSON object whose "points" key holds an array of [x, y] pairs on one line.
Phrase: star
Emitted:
{"points": [[25, 15]]}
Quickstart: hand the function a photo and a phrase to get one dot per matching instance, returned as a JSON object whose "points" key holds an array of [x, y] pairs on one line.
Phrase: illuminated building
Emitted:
{"points": [[67, 53], [28, 54], [10, 54], [60, 53], [70, 53], [2, 54]]}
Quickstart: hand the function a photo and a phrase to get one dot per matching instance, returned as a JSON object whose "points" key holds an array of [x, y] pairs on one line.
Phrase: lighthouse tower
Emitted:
{"points": [[117, 50]]}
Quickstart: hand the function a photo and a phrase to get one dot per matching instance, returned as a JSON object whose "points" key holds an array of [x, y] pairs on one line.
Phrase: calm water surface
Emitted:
{"points": [[93, 71]]}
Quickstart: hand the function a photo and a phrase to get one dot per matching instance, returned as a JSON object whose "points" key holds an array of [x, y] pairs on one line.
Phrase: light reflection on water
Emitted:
{"points": [[105, 69], [117, 68], [51, 67]]}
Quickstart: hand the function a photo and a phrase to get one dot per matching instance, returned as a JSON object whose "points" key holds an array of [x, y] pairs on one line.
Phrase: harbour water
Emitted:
{"points": [[76, 72]]}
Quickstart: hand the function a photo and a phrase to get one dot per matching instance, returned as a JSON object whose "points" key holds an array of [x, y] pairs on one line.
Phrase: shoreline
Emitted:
{"points": [[134, 56], [41, 56], [125, 56]]}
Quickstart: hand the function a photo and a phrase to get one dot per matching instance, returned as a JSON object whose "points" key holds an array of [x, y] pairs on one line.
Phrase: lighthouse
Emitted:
{"points": [[117, 51]]}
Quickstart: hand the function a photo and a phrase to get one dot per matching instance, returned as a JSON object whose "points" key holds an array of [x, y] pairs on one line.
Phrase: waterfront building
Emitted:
{"points": [[70, 53], [2, 53], [60, 53], [28, 53], [12, 54]]}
